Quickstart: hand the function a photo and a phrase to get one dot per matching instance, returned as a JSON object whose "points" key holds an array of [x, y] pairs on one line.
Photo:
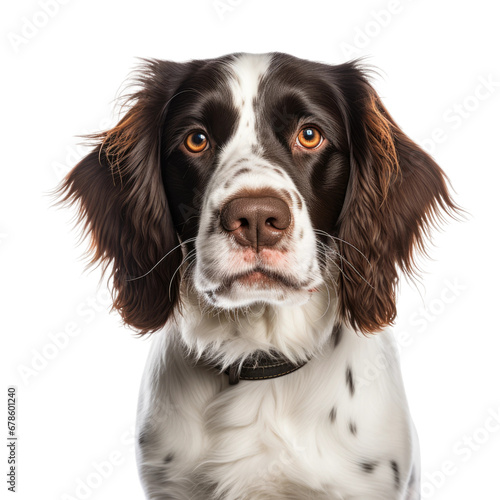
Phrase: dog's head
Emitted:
{"points": [[256, 178]]}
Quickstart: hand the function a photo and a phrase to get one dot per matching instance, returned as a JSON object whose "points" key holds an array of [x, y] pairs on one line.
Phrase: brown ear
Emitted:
{"points": [[122, 206], [396, 193]]}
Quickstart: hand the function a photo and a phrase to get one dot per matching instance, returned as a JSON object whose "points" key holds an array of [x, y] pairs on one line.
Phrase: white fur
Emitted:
{"points": [[274, 438], [202, 439]]}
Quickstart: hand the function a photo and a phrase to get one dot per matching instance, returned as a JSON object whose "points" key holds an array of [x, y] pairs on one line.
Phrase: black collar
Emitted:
{"points": [[261, 367]]}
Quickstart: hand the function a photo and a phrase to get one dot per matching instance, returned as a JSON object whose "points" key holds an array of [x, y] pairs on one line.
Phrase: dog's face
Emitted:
{"points": [[256, 153], [256, 178]]}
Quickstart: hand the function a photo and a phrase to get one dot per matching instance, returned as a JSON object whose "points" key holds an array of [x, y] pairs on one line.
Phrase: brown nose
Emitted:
{"points": [[256, 222]]}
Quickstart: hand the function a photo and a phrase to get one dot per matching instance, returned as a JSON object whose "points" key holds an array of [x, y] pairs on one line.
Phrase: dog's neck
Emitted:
{"points": [[226, 337]]}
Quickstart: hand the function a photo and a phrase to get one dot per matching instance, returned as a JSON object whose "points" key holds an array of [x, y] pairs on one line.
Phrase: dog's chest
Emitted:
{"points": [[321, 432], [336, 428], [257, 446]]}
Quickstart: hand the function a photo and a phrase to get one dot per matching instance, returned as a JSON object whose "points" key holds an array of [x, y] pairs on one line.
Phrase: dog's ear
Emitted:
{"points": [[123, 207], [396, 193]]}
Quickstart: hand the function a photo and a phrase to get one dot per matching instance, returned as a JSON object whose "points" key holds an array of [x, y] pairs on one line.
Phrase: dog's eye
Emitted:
{"points": [[196, 142], [309, 138]]}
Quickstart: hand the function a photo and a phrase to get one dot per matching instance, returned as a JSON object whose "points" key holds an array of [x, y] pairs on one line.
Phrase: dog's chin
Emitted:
{"points": [[257, 288]]}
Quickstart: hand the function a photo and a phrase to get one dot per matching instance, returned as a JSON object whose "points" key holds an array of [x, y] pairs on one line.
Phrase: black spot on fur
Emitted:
{"points": [[395, 471], [368, 466], [333, 414], [241, 171], [168, 458], [214, 221], [349, 380], [338, 336], [156, 475], [353, 428], [143, 438], [239, 162], [412, 477]]}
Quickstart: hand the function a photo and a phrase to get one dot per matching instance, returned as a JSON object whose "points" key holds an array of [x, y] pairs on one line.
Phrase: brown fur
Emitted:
{"points": [[396, 191], [123, 207]]}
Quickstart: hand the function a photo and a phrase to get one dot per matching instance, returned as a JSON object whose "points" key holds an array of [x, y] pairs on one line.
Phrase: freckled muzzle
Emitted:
{"points": [[256, 222]]}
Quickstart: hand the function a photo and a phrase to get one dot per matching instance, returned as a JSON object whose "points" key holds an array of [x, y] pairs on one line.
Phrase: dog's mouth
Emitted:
{"points": [[259, 285], [259, 277]]}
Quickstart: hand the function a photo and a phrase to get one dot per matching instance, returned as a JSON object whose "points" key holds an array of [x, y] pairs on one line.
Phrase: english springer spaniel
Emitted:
{"points": [[255, 211]]}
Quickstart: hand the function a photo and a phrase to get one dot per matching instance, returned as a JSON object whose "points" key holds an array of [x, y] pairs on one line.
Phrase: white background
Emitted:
{"points": [[61, 74]]}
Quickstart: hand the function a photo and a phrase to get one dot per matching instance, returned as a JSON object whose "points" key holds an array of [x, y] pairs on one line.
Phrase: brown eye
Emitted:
{"points": [[196, 142], [309, 137]]}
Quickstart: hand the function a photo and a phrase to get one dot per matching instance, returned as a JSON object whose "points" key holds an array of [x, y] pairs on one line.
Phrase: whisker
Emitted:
{"points": [[332, 260], [189, 240], [329, 275], [343, 259], [192, 252], [186, 271], [319, 231], [328, 271], [329, 301], [192, 217]]}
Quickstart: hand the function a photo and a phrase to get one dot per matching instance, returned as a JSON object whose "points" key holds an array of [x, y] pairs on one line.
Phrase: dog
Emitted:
{"points": [[255, 211]]}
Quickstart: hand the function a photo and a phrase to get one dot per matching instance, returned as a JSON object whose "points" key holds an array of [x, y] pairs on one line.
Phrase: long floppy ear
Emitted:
{"points": [[123, 207], [396, 193]]}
